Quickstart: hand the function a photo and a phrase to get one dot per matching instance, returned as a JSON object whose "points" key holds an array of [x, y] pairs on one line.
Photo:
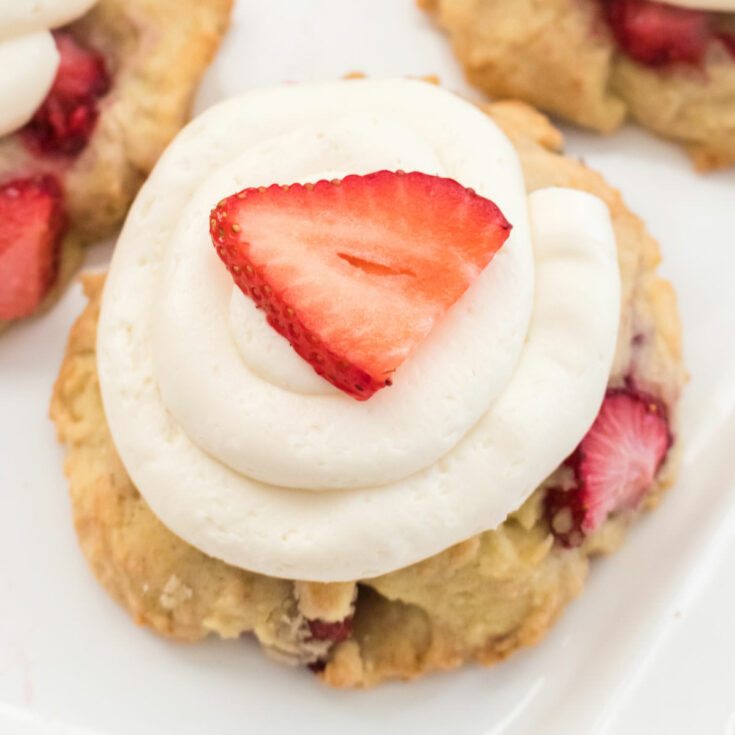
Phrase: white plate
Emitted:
{"points": [[647, 648]]}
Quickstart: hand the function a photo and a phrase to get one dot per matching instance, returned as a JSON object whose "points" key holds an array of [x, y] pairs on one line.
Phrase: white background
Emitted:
{"points": [[650, 645]]}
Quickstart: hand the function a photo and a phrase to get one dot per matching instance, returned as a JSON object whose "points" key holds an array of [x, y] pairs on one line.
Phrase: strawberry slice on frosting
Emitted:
{"points": [[355, 273]]}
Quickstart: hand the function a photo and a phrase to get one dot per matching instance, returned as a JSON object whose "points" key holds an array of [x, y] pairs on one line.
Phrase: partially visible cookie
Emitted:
{"points": [[154, 53], [565, 57], [479, 600]]}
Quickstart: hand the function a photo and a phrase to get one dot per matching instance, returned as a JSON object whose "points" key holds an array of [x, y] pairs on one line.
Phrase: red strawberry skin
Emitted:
{"points": [[322, 631], [65, 120], [614, 465], [728, 39], [355, 273], [32, 217], [657, 34]]}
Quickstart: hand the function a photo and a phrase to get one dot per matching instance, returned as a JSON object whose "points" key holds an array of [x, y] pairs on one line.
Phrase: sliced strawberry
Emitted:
{"points": [[657, 34], [31, 222], [65, 120], [615, 464], [356, 273]]}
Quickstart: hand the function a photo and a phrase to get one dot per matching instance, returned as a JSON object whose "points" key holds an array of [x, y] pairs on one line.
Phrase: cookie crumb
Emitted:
{"points": [[174, 593]]}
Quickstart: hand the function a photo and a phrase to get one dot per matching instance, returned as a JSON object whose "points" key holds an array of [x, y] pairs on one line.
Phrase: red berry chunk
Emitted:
{"points": [[728, 39], [615, 464], [336, 632], [31, 222], [355, 273], [65, 120], [657, 34]]}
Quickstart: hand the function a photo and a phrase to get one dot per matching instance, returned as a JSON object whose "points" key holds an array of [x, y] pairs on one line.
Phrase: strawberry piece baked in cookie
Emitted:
{"points": [[64, 122], [614, 465], [656, 34], [668, 64], [382, 420], [32, 216], [83, 120]]}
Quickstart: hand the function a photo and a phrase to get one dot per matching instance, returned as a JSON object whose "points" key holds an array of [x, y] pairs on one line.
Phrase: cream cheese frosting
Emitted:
{"points": [[243, 451], [29, 59]]}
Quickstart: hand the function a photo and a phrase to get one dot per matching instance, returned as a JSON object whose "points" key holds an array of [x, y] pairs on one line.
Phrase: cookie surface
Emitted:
{"points": [[560, 56], [148, 46], [479, 600]]}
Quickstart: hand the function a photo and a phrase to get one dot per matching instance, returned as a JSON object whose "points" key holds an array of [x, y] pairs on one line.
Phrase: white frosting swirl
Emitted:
{"points": [[328, 440], [28, 56], [228, 433]]}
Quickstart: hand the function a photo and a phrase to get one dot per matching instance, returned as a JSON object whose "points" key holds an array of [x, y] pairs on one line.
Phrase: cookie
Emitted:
{"points": [[564, 57], [154, 53], [477, 601]]}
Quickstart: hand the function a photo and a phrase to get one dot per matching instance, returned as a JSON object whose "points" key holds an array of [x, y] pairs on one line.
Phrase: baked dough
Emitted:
{"points": [[156, 52], [560, 56], [479, 600]]}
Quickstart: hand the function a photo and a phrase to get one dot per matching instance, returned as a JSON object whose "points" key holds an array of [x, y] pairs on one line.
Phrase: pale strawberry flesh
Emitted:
{"points": [[31, 224], [615, 465], [65, 121], [356, 273]]}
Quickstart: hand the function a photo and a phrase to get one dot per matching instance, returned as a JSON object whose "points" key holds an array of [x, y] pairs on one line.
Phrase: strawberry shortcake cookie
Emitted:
{"points": [[372, 375], [91, 91], [669, 65]]}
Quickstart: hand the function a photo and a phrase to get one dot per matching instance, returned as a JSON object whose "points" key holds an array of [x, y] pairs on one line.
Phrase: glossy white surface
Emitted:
{"points": [[647, 648]]}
